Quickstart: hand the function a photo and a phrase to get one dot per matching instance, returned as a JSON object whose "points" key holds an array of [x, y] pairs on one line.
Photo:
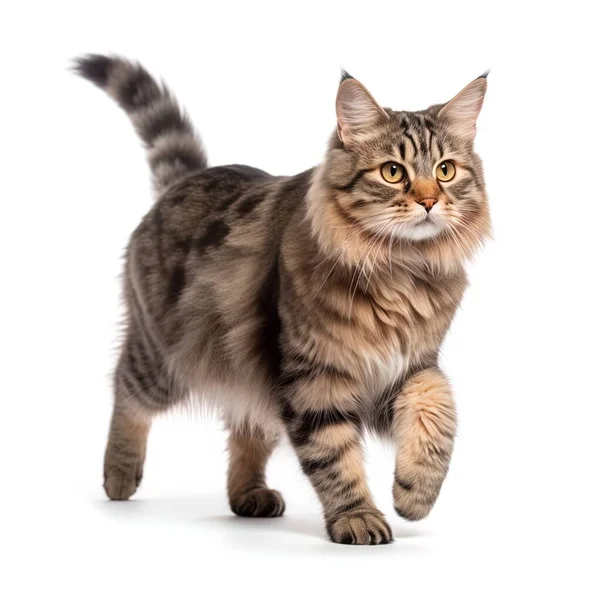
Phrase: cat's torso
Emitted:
{"points": [[229, 278]]}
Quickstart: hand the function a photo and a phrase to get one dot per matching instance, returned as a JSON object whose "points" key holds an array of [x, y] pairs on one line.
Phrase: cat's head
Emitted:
{"points": [[409, 176]]}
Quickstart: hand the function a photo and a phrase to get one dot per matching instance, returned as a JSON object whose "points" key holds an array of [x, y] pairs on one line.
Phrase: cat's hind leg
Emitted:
{"points": [[143, 388], [249, 496]]}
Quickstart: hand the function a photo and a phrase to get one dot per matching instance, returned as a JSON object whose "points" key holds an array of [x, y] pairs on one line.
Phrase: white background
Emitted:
{"points": [[517, 517]]}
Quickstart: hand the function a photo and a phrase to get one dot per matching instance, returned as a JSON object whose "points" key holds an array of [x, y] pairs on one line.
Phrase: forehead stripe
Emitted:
{"points": [[438, 144], [422, 141], [410, 138], [402, 148]]}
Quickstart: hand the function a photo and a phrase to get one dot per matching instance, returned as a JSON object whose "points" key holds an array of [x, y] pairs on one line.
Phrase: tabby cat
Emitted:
{"points": [[312, 305]]}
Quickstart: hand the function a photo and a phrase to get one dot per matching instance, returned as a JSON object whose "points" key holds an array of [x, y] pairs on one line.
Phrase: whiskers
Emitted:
{"points": [[371, 256], [465, 237]]}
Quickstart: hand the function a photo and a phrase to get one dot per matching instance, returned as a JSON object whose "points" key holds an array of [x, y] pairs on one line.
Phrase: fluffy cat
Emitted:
{"points": [[312, 305]]}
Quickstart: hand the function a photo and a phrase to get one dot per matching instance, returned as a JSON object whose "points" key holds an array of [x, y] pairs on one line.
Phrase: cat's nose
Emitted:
{"points": [[428, 203]]}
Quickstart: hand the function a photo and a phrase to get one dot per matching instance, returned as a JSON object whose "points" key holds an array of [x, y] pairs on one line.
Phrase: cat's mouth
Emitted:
{"points": [[429, 218], [426, 228]]}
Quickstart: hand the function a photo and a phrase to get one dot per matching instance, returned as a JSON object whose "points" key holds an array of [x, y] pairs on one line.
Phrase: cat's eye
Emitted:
{"points": [[445, 171], [392, 172]]}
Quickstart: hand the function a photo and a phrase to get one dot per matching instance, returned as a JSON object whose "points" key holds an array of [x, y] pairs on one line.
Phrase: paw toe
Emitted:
{"points": [[119, 485], [360, 528], [261, 502]]}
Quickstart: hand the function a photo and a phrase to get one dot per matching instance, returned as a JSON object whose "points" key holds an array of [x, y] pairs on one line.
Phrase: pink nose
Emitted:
{"points": [[428, 203]]}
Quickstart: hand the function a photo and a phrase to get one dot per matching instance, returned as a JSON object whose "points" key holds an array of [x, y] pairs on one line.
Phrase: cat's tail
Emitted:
{"points": [[174, 149]]}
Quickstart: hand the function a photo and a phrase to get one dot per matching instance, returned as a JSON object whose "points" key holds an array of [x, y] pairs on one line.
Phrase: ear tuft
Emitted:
{"points": [[460, 114], [345, 75], [357, 111]]}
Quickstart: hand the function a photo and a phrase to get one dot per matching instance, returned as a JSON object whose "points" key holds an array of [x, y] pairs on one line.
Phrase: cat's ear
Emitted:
{"points": [[357, 111], [460, 114]]}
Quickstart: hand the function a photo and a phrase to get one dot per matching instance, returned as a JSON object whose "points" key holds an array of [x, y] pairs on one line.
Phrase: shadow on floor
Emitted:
{"points": [[212, 513]]}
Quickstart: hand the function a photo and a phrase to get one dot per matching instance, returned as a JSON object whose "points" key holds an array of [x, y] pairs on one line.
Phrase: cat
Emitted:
{"points": [[312, 305]]}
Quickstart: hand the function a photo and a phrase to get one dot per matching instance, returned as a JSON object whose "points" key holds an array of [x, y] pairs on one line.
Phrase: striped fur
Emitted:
{"points": [[173, 147], [313, 304]]}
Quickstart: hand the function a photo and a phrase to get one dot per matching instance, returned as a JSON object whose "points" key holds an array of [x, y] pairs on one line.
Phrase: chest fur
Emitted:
{"points": [[381, 370], [374, 329], [399, 326]]}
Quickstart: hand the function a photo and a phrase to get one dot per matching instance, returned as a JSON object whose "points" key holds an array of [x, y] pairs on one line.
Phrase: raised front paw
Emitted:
{"points": [[360, 527], [259, 502], [414, 501]]}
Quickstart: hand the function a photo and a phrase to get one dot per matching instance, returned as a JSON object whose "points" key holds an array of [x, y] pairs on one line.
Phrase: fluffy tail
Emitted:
{"points": [[174, 149]]}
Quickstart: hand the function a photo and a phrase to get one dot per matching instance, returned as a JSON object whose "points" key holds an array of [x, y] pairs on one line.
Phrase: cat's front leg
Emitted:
{"points": [[424, 427], [325, 431]]}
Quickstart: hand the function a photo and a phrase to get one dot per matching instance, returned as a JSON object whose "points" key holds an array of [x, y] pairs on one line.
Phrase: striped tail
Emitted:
{"points": [[174, 149]]}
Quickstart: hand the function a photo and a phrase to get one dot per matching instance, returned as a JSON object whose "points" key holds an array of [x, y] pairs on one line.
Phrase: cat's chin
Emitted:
{"points": [[422, 231]]}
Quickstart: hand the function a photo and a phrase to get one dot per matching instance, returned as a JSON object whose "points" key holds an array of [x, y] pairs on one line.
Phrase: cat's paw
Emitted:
{"points": [[260, 502], [121, 484], [360, 527], [414, 502]]}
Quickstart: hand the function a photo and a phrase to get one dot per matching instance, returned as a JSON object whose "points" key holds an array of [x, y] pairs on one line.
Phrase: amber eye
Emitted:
{"points": [[445, 171], [393, 172]]}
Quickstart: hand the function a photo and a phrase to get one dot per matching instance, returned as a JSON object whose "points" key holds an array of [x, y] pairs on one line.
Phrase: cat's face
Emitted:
{"points": [[409, 175]]}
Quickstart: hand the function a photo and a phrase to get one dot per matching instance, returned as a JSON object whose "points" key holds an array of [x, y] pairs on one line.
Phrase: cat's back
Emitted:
{"points": [[195, 210], [217, 228], [212, 192], [221, 198]]}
